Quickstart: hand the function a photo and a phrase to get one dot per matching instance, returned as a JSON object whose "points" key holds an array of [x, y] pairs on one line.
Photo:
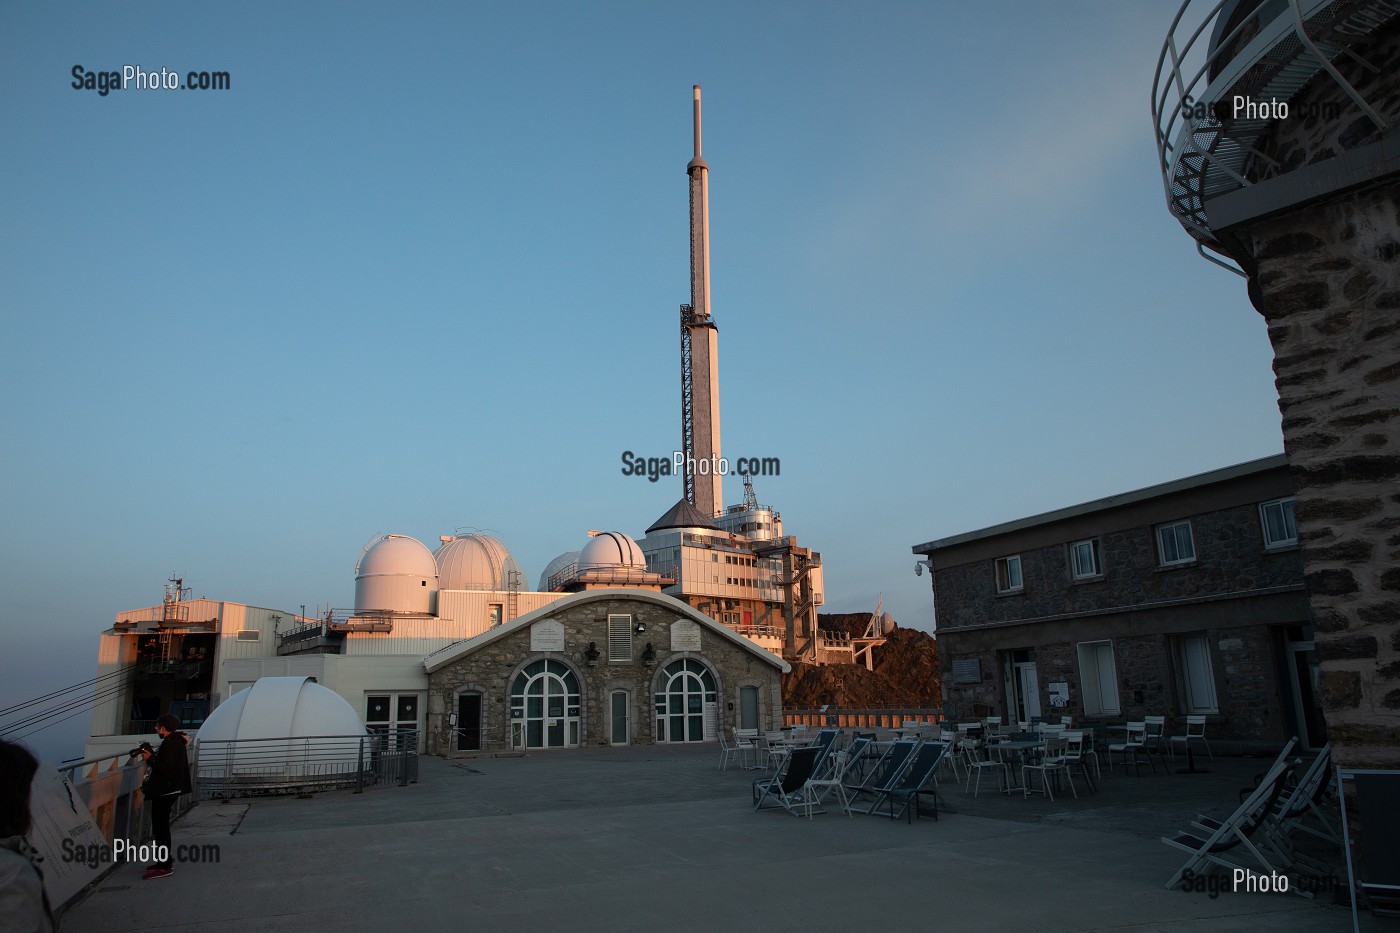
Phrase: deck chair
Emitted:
{"points": [[843, 762], [1314, 789], [1235, 833], [788, 790], [888, 767], [913, 781], [824, 741], [1378, 805]]}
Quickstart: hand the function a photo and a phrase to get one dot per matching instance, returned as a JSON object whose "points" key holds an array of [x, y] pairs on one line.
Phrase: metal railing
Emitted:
{"points": [[110, 787], [861, 718], [1270, 52], [249, 767]]}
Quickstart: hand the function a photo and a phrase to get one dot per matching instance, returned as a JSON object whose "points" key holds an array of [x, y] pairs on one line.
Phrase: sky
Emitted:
{"points": [[417, 270]]}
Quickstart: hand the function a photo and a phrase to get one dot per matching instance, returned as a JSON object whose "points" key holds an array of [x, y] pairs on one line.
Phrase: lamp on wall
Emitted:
{"points": [[592, 654], [648, 655], [641, 628]]}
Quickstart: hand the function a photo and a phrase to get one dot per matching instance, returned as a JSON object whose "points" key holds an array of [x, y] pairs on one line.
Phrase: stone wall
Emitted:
{"points": [[1328, 277], [1230, 557], [490, 670], [1245, 664]]}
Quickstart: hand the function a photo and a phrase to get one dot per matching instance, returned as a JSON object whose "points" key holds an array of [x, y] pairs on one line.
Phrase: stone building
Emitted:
{"points": [[613, 666], [1304, 200], [1182, 598]]}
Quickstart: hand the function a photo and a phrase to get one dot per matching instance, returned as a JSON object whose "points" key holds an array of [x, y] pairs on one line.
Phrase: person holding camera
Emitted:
{"points": [[167, 777]]}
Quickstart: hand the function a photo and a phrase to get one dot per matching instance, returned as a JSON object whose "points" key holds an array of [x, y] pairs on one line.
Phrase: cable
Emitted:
{"points": [[78, 686]]}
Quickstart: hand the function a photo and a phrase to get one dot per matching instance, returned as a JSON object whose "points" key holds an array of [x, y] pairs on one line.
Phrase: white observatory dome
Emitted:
{"points": [[610, 550], [476, 562], [395, 574], [270, 721], [281, 708], [567, 559]]}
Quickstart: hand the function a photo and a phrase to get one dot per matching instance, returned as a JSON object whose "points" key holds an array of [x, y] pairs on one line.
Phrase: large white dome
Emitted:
{"points": [[476, 562], [610, 550], [395, 574]]}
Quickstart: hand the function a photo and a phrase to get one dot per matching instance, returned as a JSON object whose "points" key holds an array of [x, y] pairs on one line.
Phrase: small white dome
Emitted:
{"points": [[396, 574], [610, 550], [476, 562], [396, 554], [268, 720], [563, 561], [281, 708]]}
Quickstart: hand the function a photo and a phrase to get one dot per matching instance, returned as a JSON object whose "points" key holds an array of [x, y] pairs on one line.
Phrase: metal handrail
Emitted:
{"points": [[243, 767], [1202, 157]]}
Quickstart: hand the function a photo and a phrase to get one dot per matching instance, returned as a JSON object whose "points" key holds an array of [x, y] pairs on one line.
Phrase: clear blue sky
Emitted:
{"points": [[418, 269]]}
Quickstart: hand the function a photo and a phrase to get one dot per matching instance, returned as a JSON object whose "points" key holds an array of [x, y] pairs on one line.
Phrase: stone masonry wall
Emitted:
{"points": [[1329, 278], [490, 670], [1230, 557]]}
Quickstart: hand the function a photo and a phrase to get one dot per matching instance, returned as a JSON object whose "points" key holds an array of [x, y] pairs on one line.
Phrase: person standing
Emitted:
{"points": [[24, 907], [167, 777]]}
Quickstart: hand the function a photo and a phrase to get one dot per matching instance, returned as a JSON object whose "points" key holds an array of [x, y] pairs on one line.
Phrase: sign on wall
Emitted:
{"points": [[685, 635], [967, 671], [547, 635]]}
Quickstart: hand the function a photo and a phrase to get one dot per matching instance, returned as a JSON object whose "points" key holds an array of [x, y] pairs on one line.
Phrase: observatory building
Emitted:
{"points": [[1276, 130], [667, 638]]}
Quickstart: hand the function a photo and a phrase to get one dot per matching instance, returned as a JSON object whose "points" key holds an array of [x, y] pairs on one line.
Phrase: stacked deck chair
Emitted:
{"points": [[1275, 830], [1235, 842], [900, 786], [1316, 789], [789, 790], [888, 768]]}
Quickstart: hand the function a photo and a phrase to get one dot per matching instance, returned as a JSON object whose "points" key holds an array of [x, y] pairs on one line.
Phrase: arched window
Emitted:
{"points": [[686, 693], [544, 702]]}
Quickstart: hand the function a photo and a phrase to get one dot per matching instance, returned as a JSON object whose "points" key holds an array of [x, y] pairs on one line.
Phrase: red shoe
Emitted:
{"points": [[152, 873]]}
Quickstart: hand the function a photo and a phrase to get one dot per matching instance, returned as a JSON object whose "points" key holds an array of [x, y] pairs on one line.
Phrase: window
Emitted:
{"points": [[249, 634], [620, 638], [1009, 574], [395, 716], [544, 700], [1197, 678], [1098, 678], [1280, 529], [1084, 559], [493, 614], [1174, 544]]}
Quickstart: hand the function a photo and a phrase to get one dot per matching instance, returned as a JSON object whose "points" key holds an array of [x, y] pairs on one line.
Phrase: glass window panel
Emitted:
{"points": [[408, 709], [377, 709], [534, 733]]}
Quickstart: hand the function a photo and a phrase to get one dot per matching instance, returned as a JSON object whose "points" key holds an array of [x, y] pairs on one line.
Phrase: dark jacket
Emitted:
{"points": [[168, 771]]}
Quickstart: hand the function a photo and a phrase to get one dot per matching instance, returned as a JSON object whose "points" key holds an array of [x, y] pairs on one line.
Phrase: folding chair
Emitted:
{"points": [[788, 789], [843, 762], [1235, 832], [912, 782], [887, 770]]}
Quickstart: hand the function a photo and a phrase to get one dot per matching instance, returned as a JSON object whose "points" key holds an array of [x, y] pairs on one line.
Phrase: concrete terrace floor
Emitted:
{"points": [[656, 838]]}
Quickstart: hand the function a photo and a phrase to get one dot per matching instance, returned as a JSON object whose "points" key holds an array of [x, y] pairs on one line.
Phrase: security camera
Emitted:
{"points": [[919, 569]]}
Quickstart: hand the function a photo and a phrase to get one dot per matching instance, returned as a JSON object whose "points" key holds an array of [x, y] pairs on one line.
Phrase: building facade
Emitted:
{"points": [[1183, 598], [618, 666]]}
